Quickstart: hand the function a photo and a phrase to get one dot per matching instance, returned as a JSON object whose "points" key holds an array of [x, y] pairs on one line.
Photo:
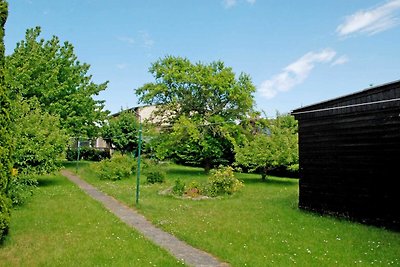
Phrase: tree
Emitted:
{"points": [[39, 141], [274, 146], [122, 131], [6, 145], [198, 91], [201, 102], [52, 73]]}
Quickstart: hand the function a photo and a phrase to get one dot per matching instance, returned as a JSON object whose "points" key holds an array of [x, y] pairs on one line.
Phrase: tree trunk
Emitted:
{"points": [[264, 173], [207, 166]]}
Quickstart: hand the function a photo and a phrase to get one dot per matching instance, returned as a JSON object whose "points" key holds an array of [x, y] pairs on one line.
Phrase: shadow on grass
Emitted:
{"points": [[271, 181], [186, 172], [75, 164], [48, 181]]}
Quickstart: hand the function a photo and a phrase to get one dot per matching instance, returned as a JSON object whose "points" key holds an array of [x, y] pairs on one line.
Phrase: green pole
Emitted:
{"points": [[77, 160], [138, 162]]}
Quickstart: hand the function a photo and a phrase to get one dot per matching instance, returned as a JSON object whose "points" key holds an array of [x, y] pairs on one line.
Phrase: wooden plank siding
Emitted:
{"points": [[349, 155]]}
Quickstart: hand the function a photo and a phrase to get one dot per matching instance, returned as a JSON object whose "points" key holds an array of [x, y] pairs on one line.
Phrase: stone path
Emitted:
{"points": [[182, 251]]}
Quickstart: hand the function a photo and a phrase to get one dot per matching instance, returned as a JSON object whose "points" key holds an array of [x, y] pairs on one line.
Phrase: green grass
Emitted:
{"points": [[62, 226], [260, 226]]}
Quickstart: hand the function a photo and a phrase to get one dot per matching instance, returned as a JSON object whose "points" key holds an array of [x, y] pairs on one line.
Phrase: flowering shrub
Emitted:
{"points": [[222, 182]]}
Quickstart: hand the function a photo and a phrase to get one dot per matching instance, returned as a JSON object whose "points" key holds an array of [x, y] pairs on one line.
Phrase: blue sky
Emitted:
{"points": [[297, 52]]}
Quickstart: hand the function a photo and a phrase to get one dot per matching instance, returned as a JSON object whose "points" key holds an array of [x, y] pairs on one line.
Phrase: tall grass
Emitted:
{"points": [[61, 226], [260, 226]]}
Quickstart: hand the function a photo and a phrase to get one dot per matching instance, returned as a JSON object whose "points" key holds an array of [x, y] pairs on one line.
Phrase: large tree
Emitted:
{"points": [[199, 91], [5, 132], [52, 73], [201, 102]]}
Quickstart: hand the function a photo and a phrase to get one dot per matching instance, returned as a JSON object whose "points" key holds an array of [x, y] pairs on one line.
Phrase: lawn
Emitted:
{"points": [[62, 226], [260, 226]]}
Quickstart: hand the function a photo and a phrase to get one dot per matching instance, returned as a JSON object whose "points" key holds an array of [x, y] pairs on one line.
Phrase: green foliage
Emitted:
{"points": [[52, 73], [201, 101], [179, 187], [189, 142], [5, 205], [40, 143], [122, 132], [6, 142], [155, 176], [277, 146], [194, 189], [21, 188], [155, 171], [197, 90], [87, 153], [222, 182], [117, 168]]}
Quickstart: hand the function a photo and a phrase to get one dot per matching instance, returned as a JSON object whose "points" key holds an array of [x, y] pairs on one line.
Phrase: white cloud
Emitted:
{"points": [[371, 21], [126, 39], [148, 42], [229, 3], [340, 60], [232, 3], [121, 66], [295, 73]]}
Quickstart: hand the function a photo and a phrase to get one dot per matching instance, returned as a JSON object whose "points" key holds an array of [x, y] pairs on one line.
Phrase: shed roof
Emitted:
{"points": [[381, 96]]}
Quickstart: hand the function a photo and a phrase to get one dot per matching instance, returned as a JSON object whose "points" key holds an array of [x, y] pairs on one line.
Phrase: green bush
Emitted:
{"points": [[222, 182], [87, 153], [117, 168], [5, 205], [179, 187], [21, 188], [155, 176], [154, 171]]}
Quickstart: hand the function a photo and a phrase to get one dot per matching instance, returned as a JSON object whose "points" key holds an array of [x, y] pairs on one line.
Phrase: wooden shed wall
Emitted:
{"points": [[350, 157]]}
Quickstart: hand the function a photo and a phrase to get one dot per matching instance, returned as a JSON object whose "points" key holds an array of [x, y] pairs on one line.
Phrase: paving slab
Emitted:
{"points": [[179, 249]]}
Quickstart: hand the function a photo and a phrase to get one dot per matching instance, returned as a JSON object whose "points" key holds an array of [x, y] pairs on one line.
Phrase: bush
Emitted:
{"points": [[87, 153], [117, 168], [222, 182], [155, 176], [5, 205], [179, 187], [154, 171], [194, 189], [21, 188]]}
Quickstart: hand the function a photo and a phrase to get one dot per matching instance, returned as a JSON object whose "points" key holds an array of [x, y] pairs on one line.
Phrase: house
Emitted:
{"points": [[349, 151]]}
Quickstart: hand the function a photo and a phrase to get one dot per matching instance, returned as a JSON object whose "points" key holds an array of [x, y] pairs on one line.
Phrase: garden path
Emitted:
{"points": [[182, 251]]}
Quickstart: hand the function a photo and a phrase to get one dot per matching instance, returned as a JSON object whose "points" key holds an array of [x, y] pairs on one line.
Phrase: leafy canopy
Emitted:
{"points": [[122, 132], [52, 73], [275, 146], [200, 102], [199, 91]]}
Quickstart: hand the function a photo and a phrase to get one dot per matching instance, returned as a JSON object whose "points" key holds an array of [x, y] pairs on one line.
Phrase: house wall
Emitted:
{"points": [[349, 156]]}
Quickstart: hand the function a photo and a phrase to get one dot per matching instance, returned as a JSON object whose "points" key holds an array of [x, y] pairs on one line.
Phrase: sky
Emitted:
{"points": [[297, 53]]}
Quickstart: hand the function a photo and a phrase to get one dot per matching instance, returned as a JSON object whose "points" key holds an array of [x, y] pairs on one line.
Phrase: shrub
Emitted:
{"points": [[87, 153], [179, 187], [155, 176], [154, 171], [5, 205], [194, 189], [222, 182], [117, 168], [21, 188]]}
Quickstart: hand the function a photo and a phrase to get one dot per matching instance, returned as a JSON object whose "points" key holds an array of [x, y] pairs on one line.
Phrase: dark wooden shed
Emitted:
{"points": [[349, 149]]}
